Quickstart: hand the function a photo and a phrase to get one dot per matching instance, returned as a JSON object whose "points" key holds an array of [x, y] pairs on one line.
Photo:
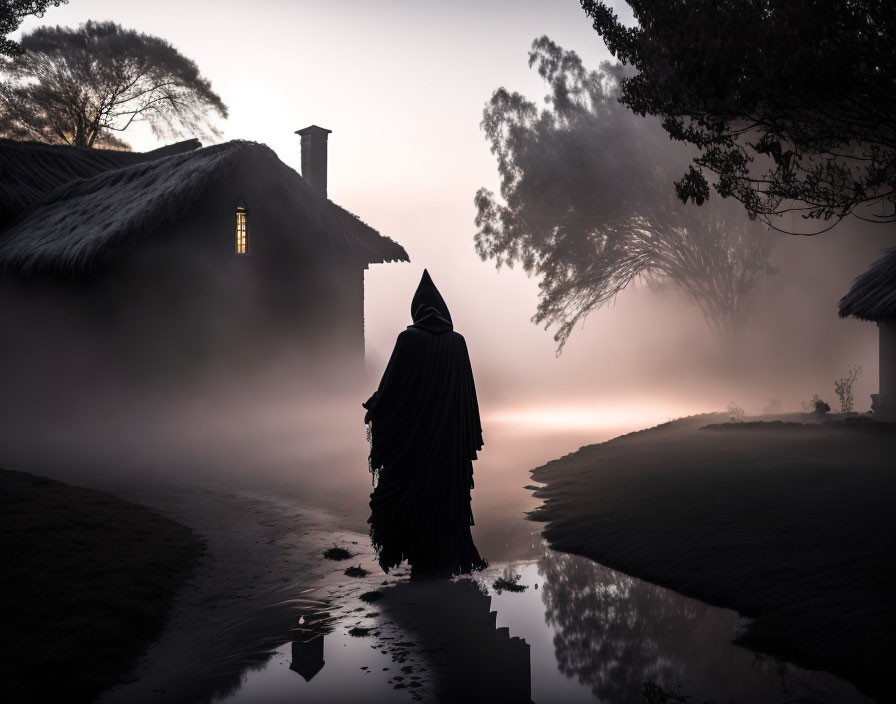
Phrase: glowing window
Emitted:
{"points": [[242, 230]]}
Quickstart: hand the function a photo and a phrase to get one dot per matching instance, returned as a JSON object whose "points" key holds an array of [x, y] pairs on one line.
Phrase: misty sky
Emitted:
{"points": [[402, 85]]}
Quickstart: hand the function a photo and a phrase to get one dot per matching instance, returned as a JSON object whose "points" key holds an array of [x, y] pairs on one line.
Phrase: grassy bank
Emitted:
{"points": [[790, 524], [88, 580]]}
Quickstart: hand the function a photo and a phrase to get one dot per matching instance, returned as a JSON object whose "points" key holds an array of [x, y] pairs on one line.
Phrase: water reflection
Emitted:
{"points": [[308, 657], [616, 634], [308, 648], [605, 636], [580, 632], [453, 626]]}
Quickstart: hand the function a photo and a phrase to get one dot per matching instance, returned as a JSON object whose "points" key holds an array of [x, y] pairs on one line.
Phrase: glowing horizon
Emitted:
{"points": [[576, 417]]}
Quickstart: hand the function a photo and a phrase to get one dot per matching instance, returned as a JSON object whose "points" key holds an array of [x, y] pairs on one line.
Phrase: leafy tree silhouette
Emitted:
{"points": [[790, 102], [12, 12], [585, 203]]}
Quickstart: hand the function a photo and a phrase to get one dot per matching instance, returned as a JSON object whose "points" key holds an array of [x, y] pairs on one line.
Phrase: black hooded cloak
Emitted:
{"points": [[424, 433]]}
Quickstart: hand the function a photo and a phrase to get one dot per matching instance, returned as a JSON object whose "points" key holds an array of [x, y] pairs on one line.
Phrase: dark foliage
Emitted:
{"points": [[82, 86], [790, 102], [509, 584], [370, 597], [337, 553], [587, 207], [356, 572], [12, 12], [817, 405]]}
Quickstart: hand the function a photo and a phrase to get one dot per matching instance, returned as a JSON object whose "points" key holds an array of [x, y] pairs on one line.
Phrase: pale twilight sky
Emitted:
{"points": [[402, 85]]}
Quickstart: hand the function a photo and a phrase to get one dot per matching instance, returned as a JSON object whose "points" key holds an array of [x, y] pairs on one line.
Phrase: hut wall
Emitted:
{"points": [[184, 300], [887, 397], [181, 306]]}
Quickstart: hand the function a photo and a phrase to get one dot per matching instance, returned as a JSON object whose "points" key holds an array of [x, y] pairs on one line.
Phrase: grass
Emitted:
{"points": [[88, 580], [790, 524]]}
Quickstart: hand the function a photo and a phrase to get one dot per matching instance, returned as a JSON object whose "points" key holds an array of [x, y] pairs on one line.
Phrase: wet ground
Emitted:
{"points": [[267, 618], [579, 632]]}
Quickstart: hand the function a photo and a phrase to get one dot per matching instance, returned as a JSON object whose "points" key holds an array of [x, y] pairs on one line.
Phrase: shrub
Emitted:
{"points": [[843, 388], [735, 412], [816, 405]]}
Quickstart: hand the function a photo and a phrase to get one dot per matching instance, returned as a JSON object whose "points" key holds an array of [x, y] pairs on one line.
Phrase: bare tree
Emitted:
{"points": [[585, 203], [84, 86]]}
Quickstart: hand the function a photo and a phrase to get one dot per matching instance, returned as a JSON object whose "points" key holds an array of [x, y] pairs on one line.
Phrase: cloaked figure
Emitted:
{"points": [[424, 431]]}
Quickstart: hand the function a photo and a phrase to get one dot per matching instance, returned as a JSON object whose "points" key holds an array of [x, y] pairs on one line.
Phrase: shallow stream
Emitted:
{"points": [[579, 632], [267, 619]]}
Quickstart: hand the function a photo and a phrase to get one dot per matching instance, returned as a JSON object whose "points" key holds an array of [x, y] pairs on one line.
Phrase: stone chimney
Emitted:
{"points": [[314, 156]]}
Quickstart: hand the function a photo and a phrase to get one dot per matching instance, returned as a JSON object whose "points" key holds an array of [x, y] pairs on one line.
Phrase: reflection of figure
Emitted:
{"points": [[453, 628], [424, 435]]}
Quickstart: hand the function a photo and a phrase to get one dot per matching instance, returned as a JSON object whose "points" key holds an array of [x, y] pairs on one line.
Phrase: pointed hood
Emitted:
{"points": [[428, 309]]}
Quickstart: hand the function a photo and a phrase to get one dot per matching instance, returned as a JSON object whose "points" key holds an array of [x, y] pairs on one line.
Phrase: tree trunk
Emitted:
{"points": [[80, 139]]}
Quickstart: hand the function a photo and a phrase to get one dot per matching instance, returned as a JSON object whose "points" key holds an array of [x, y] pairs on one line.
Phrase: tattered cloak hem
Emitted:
{"points": [[424, 432]]}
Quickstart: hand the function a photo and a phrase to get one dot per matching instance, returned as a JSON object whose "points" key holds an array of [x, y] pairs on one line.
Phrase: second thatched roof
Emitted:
{"points": [[78, 224], [873, 294]]}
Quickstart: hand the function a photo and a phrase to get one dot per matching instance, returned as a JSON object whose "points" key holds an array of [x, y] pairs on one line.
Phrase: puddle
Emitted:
{"points": [[579, 632], [350, 671], [599, 635]]}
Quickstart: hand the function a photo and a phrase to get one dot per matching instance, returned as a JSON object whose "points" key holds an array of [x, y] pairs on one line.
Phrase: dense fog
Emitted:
{"points": [[410, 168], [648, 358]]}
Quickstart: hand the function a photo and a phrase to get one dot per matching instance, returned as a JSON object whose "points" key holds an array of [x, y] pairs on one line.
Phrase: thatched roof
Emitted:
{"points": [[111, 199], [873, 294], [31, 170]]}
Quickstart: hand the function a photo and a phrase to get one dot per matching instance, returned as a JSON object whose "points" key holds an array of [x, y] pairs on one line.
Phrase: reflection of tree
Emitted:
{"points": [[610, 627], [617, 634]]}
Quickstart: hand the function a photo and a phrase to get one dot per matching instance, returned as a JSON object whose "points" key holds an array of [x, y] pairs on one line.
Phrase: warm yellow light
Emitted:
{"points": [[242, 231]]}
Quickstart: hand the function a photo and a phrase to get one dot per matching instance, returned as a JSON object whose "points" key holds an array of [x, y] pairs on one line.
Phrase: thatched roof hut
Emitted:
{"points": [[873, 297], [190, 253], [873, 294], [68, 210]]}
